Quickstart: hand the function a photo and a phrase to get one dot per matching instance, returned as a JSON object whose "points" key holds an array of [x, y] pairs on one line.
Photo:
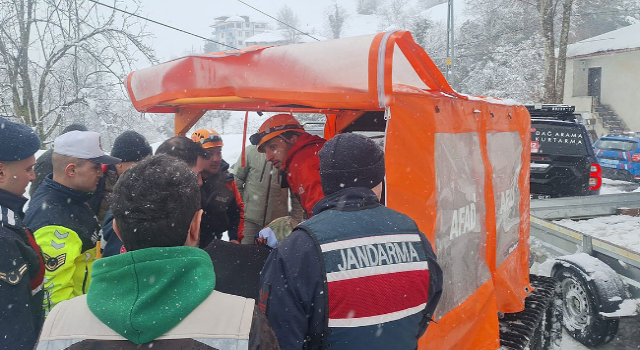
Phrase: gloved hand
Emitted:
{"points": [[267, 236]]}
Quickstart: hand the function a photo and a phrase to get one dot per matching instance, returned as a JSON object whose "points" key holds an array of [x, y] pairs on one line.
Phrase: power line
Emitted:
{"points": [[286, 24], [162, 24]]}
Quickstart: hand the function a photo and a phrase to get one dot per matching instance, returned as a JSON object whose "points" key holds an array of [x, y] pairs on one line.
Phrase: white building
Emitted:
{"points": [[603, 76], [233, 31]]}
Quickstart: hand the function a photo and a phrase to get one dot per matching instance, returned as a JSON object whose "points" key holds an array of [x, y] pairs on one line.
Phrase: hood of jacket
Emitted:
{"points": [[304, 140], [144, 293]]}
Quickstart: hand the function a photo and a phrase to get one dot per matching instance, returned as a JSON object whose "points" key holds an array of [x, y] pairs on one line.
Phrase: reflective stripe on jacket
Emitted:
{"points": [[355, 276]]}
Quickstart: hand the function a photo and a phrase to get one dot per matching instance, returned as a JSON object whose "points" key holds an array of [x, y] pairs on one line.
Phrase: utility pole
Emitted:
{"points": [[450, 37]]}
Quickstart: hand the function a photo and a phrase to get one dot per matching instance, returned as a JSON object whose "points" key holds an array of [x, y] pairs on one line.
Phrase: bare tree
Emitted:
{"points": [[554, 73], [292, 21], [396, 15], [61, 56], [368, 7], [562, 51], [546, 10], [336, 16]]}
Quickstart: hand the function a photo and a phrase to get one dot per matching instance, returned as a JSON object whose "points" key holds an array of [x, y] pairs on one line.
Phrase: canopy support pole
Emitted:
{"points": [[186, 118]]}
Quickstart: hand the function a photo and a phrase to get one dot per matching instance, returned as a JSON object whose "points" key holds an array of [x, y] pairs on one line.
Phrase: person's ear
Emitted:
{"points": [[293, 139], [193, 238], [3, 172], [70, 169]]}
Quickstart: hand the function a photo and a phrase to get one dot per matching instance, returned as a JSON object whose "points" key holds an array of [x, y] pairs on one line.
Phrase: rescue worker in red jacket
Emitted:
{"points": [[292, 150], [221, 200]]}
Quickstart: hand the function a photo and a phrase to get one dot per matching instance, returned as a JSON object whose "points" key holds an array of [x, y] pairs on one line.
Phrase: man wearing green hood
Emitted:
{"points": [[161, 292]]}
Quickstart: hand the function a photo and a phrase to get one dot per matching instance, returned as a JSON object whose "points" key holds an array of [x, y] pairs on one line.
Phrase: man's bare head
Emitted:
{"points": [[78, 174]]}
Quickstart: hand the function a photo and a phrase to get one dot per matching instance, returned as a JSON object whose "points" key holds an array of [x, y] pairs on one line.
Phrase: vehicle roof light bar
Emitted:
{"points": [[552, 111]]}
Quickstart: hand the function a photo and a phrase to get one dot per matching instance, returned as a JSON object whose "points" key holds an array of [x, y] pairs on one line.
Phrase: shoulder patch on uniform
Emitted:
{"points": [[53, 263], [14, 277]]}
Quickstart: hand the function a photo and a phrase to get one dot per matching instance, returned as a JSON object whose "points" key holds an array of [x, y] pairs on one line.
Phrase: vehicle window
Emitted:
{"points": [[617, 145], [557, 139]]}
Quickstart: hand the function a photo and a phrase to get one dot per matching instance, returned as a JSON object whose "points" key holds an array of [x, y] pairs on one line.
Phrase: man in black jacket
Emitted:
{"points": [[131, 147], [21, 265], [63, 225], [221, 200], [357, 275]]}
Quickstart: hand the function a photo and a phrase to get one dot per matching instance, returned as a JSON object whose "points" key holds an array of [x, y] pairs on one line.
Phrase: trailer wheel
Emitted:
{"points": [[580, 311]]}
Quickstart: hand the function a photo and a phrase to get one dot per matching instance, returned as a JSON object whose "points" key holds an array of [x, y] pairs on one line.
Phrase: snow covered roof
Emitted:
{"points": [[267, 37], [235, 19], [625, 38]]}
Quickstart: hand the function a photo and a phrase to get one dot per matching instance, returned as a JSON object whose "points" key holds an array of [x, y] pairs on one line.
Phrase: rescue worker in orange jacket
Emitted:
{"points": [[292, 150], [221, 200]]}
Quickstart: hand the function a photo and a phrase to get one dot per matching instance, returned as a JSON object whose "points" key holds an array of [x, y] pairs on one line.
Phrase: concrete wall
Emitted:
{"points": [[620, 86]]}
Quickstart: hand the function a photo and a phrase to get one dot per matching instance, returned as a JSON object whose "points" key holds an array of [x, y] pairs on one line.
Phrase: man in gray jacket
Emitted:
{"points": [[264, 198]]}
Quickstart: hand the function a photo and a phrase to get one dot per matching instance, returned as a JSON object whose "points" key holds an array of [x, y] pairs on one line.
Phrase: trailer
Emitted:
{"points": [[600, 280]]}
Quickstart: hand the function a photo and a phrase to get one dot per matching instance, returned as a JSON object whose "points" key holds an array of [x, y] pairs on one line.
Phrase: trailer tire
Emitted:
{"points": [[580, 305]]}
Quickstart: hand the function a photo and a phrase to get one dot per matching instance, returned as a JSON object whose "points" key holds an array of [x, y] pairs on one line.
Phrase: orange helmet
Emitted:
{"points": [[274, 126], [208, 138]]}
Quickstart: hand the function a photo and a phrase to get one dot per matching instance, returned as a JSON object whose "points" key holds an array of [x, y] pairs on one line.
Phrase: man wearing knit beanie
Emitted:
{"points": [[131, 147], [21, 264], [357, 275]]}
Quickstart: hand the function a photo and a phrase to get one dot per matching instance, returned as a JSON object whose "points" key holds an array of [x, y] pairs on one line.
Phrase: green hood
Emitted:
{"points": [[143, 294]]}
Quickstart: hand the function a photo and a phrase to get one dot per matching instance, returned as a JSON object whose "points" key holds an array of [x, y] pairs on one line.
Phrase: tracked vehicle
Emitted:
{"points": [[458, 165]]}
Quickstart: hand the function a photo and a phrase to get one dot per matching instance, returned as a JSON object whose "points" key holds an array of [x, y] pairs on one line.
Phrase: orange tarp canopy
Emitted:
{"points": [[457, 165]]}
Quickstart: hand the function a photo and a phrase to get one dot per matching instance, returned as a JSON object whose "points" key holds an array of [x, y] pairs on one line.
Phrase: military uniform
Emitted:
{"points": [[21, 276]]}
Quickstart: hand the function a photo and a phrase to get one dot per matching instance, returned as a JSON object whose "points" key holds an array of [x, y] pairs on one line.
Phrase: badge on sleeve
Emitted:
{"points": [[15, 276], [53, 263]]}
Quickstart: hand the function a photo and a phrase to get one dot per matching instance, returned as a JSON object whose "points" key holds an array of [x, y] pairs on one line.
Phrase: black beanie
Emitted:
{"points": [[350, 160], [17, 141], [130, 147]]}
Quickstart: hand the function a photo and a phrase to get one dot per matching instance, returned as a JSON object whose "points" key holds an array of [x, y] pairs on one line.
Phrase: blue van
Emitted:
{"points": [[619, 156]]}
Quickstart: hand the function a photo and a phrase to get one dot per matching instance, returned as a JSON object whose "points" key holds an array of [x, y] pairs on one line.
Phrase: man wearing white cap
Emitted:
{"points": [[63, 224]]}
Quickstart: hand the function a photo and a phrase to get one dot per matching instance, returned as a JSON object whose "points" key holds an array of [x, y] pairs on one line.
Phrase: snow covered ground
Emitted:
{"points": [[622, 230]]}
